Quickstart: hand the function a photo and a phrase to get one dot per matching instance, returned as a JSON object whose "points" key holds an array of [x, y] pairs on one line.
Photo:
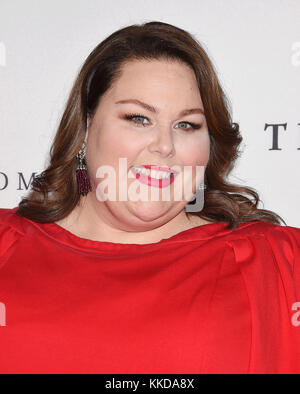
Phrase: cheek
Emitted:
{"points": [[196, 151], [108, 145], [127, 147]]}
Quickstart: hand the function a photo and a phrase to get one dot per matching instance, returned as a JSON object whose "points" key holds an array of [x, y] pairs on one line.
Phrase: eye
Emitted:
{"points": [[132, 117], [193, 126]]}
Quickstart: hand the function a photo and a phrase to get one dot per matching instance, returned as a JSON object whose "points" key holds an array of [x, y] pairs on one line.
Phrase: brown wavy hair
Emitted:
{"points": [[54, 192]]}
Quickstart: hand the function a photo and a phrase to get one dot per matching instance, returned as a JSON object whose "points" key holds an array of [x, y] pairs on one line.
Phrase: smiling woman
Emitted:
{"points": [[104, 285]]}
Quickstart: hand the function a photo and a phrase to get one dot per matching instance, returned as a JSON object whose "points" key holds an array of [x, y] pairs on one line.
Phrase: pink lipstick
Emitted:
{"points": [[160, 183]]}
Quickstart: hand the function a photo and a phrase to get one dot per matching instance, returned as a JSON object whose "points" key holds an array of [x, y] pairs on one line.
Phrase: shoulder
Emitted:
{"points": [[281, 238], [260, 227], [286, 235], [286, 238], [9, 219], [11, 231]]}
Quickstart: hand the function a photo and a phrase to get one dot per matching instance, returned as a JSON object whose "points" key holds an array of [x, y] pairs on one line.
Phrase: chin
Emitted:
{"points": [[148, 211]]}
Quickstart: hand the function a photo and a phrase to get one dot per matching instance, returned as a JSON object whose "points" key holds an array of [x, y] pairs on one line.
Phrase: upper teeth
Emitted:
{"points": [[153, 173]]}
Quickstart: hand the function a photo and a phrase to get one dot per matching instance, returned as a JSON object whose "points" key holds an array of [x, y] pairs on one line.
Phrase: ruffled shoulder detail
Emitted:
{"points": [[11, 230], [277, 246], [286, 242]]}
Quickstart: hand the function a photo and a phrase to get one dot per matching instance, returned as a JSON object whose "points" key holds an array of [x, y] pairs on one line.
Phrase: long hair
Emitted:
{"points": [[54, 192]]}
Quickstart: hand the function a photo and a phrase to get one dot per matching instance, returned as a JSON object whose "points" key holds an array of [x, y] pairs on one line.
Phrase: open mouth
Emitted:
{"points": [[153, 178]]}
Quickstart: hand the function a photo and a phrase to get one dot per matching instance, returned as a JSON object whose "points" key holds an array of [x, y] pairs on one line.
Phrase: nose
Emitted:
{"points": [[162, 142]]}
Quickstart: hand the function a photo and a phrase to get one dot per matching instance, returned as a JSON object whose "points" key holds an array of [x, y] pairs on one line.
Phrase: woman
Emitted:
{"points": [[95, 285]]}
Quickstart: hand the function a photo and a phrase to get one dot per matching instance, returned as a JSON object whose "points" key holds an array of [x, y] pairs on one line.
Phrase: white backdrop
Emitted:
{"points": [[254, 44]]}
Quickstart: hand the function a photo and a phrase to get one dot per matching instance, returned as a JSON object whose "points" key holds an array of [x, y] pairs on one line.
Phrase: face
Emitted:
{"points": [[165, 138]]}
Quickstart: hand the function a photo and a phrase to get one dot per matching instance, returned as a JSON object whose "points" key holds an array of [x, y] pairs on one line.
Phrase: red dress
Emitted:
{"points": [[206, 300]]}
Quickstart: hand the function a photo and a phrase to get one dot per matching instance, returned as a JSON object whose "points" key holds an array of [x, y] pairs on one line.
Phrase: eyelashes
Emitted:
{"points": [[132, 116]]}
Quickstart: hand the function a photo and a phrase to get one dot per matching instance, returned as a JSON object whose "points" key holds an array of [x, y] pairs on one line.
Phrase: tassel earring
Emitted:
{"points": [[83, 181]]}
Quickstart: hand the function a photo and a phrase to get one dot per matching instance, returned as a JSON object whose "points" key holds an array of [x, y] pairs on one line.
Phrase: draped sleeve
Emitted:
{"points": [[10, 233], [269, 260], [285, 244]]}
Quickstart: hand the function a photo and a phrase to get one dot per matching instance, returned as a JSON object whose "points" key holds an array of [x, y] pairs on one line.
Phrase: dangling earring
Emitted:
{"points": [[83, 181]]}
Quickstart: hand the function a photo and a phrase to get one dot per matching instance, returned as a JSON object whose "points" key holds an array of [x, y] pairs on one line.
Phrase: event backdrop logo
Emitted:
{"points": [[275, 128]]}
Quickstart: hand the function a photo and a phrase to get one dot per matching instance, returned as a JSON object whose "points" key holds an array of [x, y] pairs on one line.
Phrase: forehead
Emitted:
{"points": [[163, 80]]}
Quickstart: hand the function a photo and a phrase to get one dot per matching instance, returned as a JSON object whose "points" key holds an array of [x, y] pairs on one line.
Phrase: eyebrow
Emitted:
{"points": [[155, 110]]}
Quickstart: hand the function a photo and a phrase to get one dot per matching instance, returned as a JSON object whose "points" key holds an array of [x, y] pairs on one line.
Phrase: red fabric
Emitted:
{"points": [[207, 300]]}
